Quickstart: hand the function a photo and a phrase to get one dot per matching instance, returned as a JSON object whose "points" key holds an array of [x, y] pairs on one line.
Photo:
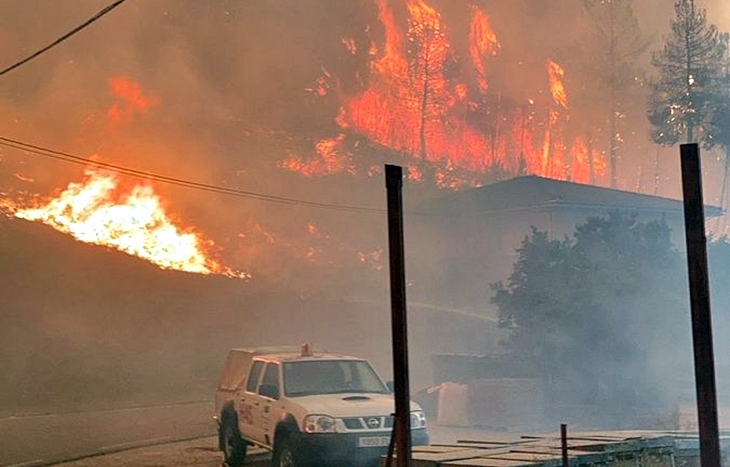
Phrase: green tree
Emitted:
{"points": [[684, 95], [591, 308]]}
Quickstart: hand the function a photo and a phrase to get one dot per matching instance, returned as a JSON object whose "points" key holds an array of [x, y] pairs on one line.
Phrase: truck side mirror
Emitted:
{"points": [[269, 390]]}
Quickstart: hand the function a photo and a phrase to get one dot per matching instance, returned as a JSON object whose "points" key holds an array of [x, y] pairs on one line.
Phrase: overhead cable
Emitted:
{"points": [[64, 156], [64, 37]]}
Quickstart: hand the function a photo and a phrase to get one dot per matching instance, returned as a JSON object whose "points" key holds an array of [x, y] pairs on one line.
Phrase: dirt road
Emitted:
{"points": [[201, 452], [42, 439]]}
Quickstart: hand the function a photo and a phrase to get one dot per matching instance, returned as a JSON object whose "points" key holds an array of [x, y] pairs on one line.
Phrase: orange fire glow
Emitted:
{"points": [[412, 105], [482, 44], [331, 158], [373, 259], [557, 89], [96, 211], [130, 99]]}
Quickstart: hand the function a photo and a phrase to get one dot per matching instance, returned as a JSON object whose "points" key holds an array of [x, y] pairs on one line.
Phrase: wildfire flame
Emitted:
{"points": [[557, 89], [130, 99], [98, 211], [331, 158], [95, 211], [414, 105], [482, 44]]}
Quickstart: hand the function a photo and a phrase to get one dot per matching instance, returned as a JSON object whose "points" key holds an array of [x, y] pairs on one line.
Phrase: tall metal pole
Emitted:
{"points": [[699, 292], [402, 428], [564, 444]]}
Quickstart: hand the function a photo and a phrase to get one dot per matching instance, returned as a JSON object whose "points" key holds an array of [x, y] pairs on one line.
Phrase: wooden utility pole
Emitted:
{"points": [[699, 293], [402, 427]]}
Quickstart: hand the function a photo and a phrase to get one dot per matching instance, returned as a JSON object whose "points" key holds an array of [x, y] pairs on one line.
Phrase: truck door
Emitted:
{"points": [[266, 414], [247, 400]]}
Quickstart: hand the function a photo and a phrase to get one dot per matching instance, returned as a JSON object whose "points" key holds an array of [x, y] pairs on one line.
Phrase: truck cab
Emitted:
{"points": [[308, 408]]}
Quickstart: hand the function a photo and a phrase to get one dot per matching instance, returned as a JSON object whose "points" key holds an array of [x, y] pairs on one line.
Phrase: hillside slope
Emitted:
{"points": [[81, 322]]}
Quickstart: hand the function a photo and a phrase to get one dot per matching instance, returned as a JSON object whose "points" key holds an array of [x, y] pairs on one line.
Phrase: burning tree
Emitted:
{"points": [[620, 42], [435, 93], [685, 96], [427, 51]]}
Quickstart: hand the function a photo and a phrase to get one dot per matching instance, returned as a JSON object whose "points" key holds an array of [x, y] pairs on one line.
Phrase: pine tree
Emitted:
{"points": [[684, 96], [616, 32], [427, 50]]}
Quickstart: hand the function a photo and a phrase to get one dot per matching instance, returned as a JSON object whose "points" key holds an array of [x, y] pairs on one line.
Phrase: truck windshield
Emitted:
{"points": [[308, 378]]}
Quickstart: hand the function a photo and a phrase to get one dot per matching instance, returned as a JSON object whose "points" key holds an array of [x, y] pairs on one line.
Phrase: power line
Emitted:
{"points": [[66, 157], [64, 37]]}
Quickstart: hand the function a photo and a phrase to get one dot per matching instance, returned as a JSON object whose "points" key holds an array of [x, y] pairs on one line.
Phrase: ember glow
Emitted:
{"points": [[331, 158], [425, 101], [129, 99], [557, 89], [96, 211]]}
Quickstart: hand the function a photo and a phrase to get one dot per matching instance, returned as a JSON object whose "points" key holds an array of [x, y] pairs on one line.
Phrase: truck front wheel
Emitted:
{"points": [[284, 454], [234, 447]]}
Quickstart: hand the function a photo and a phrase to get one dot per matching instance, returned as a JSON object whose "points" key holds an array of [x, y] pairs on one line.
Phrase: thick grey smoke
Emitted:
{"points": [[229, 86], [231, 79]]}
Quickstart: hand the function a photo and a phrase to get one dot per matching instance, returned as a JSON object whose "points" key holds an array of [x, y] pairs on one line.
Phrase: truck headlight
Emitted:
{"points": [[319, 424], [418, 419]]}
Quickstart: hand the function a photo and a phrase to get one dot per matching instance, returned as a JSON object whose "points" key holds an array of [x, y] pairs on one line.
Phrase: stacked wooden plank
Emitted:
{"points": [[604, 449]]}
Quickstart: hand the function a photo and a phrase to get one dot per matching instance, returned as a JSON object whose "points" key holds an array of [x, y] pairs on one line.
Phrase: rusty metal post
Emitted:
{"points": [[699, 292], [402, 427], [564, 444]]}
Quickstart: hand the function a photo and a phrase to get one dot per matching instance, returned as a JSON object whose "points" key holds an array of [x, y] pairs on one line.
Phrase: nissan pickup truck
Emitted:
{"points": [[308, 408]]}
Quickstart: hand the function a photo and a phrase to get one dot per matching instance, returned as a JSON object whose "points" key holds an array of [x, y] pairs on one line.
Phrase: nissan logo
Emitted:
{"points": [[373, 422]]}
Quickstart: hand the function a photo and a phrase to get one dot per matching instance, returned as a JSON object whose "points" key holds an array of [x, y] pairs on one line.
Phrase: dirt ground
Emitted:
{"points": [[201, 452]]}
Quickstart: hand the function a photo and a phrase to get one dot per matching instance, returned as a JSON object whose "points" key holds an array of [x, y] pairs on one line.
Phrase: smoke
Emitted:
{"points": [[232, 79], [231, 87]]}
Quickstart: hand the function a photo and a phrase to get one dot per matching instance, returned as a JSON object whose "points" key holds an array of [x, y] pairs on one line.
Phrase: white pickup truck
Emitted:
{"points": [[309, 408]]}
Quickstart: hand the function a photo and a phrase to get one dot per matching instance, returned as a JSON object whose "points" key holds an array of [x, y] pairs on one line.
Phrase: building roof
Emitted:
{"points": [[533, 193]]}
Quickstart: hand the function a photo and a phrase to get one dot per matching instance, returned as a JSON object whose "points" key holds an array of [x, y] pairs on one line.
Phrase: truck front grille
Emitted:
{"points": [[368, 423]]}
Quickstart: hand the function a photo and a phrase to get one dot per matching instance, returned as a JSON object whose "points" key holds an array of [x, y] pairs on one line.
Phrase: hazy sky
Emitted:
{"points": [[221, 91], [217, 72]]}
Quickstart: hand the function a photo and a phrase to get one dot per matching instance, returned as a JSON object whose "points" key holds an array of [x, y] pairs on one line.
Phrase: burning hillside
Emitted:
{"points": [[423, 98], [291, 107], [260, 97], [130, 217], [97, 211]]}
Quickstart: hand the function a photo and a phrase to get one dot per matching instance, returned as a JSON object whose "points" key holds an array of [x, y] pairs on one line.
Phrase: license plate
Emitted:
{"points": [[373, 441]]}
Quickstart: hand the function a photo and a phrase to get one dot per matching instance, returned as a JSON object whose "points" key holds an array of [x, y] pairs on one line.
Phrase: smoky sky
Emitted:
{"points": [[232, 84], [227, 71]]}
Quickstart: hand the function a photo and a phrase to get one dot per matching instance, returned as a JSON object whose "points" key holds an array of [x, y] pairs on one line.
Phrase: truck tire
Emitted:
{"points": [[284, 454], [234, 447]]}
